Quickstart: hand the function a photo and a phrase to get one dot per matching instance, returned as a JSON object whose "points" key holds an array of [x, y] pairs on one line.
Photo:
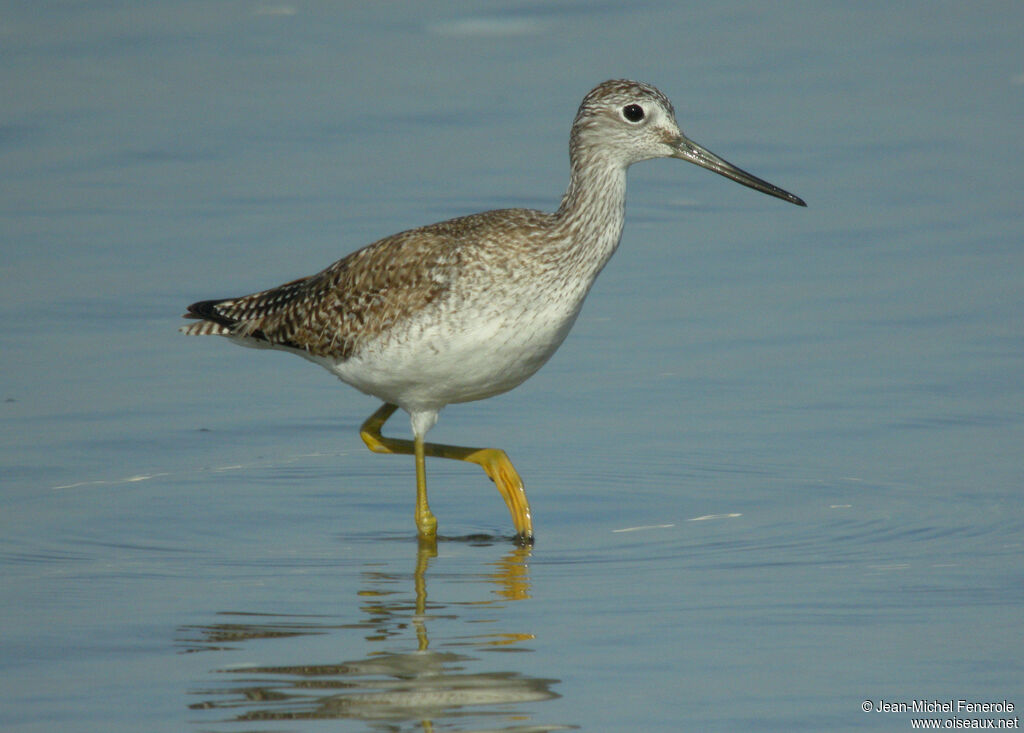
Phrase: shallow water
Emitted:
{"points": [[775, 470]]}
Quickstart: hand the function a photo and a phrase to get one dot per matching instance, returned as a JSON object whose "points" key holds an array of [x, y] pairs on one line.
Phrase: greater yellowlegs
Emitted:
{"points": [[471, 307]]}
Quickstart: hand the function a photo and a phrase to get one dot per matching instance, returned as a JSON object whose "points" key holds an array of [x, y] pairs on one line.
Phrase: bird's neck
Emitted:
{"points": [[592, 212]]}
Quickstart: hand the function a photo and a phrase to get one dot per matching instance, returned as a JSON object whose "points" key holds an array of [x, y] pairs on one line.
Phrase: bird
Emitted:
{"points": [[469, 308]]}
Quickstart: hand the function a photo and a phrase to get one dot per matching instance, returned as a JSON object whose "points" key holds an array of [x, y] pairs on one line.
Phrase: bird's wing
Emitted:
{"points": [[353, 300]]}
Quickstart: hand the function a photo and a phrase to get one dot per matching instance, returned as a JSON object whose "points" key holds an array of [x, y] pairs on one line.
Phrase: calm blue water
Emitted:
{"points": [[775, 470]]}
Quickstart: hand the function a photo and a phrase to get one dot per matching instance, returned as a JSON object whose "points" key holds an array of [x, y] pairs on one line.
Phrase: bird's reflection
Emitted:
{"points": [[418, 686]]}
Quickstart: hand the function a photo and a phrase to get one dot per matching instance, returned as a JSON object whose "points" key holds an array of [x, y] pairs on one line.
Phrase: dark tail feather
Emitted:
{"points": [[206, 310]]}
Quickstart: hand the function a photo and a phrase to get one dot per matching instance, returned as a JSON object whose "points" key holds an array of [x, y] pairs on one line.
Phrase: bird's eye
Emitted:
{"points": [[633, 112]]}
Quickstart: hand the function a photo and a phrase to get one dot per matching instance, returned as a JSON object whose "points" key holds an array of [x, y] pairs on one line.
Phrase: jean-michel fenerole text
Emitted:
{"points": [[943, 706]]}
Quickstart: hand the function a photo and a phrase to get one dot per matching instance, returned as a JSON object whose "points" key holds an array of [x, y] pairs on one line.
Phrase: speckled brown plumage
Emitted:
{"points": [[371, 290]]}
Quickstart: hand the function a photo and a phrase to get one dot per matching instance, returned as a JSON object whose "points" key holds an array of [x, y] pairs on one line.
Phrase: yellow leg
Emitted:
{"points": [[493, 461], [426, 522]]}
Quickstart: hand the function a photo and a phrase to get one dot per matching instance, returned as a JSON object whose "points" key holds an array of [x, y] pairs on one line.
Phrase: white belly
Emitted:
{"points": [[478, 353]]}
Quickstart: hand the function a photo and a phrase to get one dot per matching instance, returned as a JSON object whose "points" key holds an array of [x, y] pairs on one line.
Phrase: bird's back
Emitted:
{"points": [[375, 289]]}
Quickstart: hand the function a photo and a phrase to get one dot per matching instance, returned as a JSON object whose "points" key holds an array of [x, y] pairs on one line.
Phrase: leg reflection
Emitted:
{"points": [[436, 679]]}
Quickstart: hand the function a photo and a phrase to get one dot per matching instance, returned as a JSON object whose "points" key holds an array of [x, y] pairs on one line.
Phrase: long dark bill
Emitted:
{"points": [[686, 149]]}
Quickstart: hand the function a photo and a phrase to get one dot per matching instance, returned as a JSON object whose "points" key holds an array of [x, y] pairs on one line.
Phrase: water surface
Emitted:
{"points": [[775, 470]]}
